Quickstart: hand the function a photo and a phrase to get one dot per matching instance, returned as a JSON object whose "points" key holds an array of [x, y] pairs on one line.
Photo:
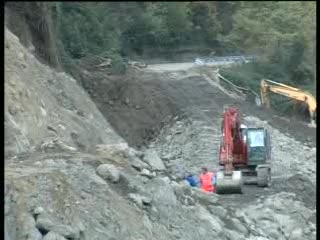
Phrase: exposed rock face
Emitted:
{"points": [[42, 104]]}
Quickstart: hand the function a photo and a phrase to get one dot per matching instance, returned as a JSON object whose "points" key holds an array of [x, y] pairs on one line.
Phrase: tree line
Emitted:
{"points": [[281, 33]]}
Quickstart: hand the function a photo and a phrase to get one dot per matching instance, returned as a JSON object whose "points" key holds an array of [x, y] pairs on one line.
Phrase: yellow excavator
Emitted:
{"points": [[290, 92]]}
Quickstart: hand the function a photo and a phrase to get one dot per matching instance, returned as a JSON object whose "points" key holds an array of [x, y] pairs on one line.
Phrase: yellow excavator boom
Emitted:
{"points": [[290, 92]]}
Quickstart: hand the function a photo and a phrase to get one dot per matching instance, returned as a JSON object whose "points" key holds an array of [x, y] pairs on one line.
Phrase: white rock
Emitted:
{"points": [[134, 153], [146, 173], [151, 157], [139, 199], [53, 236], [166, 180], [38, 210], [296, 234], [138, 164], [27, 228], [108, 172]]}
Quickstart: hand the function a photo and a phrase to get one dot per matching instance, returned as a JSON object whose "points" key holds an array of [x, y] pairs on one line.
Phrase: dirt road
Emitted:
{"points": [[295, 127]]}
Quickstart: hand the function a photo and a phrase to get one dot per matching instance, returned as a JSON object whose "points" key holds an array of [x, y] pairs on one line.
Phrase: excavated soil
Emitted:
{"points": [[145, 101], [137, 108]]}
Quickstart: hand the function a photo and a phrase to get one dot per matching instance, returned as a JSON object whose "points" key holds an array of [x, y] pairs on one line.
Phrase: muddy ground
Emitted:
{"points": [[139, 106]]}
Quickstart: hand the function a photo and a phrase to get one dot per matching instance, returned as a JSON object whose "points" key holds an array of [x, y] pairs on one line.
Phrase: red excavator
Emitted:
{"points": [[243, 152]]}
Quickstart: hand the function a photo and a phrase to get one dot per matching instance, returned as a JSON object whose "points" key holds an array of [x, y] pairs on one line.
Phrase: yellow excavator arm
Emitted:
{"points": [[290, 92]]}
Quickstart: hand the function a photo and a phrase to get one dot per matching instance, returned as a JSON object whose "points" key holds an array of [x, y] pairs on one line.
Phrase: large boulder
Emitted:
{"points": [[117, 152], [152, 158], [205, 198], [67, 231], [184, 194], [214, 221], [139, 199], [147, 173], [139, 165], [108, 172], [53, 236], [29, 231], [45, 223]]}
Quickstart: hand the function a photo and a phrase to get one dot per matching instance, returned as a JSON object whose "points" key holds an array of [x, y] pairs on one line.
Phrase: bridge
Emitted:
{"points": [[224, 60]]}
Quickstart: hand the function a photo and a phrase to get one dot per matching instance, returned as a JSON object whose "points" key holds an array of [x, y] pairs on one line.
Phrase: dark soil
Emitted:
{"points": [[140, 104]]}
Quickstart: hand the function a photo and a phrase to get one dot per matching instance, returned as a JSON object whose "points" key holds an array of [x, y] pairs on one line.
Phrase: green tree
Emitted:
{"points": [[205, 21], [280, 33]]}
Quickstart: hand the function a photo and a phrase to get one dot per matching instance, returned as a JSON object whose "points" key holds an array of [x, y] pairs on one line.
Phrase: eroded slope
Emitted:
{"points": [[42, 105]]}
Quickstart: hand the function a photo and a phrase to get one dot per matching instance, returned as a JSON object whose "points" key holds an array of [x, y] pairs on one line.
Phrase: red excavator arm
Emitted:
{"points": [[233, 148]]}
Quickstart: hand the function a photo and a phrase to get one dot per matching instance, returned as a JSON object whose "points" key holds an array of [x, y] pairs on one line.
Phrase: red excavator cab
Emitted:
{"points": [[232, 142]]}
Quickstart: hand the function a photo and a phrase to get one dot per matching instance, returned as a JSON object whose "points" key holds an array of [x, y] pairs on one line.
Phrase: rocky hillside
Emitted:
{"points": [[45, 108]]}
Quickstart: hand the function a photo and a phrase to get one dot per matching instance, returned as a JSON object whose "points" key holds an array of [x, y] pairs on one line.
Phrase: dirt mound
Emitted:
{"points": [[137, 106]]}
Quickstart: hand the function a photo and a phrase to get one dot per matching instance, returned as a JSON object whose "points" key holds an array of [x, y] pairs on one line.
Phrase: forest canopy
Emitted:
{"points": [[281, 33]]}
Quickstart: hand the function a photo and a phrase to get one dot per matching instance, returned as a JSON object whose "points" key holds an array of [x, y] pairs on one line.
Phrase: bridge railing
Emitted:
{"points": [[224, 60]]}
